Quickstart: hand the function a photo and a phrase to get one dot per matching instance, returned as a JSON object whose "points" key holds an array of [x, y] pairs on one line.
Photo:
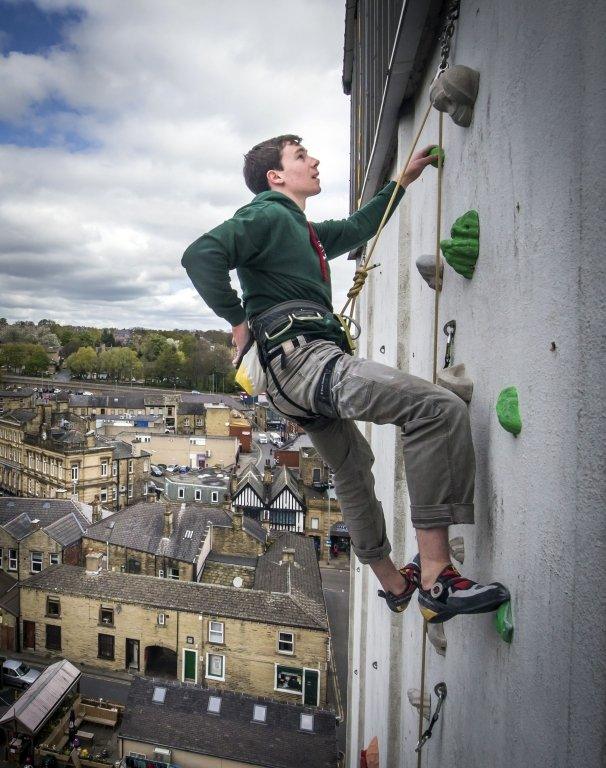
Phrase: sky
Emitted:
{"points": [[123, 127]]}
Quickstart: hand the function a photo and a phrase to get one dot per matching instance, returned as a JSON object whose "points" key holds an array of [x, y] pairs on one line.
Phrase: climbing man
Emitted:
{"points": [[282, 263]]}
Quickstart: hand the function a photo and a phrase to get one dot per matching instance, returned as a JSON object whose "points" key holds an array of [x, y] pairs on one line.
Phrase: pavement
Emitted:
{"points": [[34, 660]]}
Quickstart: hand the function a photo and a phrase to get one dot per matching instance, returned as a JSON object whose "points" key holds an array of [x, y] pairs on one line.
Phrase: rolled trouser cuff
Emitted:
{"points": [[369, 556], [441, 515]]}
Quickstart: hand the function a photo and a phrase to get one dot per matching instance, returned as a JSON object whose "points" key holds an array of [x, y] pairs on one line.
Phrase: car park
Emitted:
{"points": [[18, 674]]}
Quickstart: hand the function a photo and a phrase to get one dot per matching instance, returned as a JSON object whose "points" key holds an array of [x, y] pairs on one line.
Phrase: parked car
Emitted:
{"points": [[17, 673], [156, 471], [183, 470], [262, 438], [162, 467], [172, 467], [195, 392]]}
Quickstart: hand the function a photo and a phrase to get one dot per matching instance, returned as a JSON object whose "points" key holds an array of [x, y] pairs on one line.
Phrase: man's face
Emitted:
{"points": [[300, 176]]}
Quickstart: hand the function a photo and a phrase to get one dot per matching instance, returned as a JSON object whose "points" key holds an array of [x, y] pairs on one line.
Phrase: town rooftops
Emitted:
{"points": [[211, 478], [141, 527], [61, 520], [9, 594], [23, 392], [166, 594], [18, 416], [246, 729]]}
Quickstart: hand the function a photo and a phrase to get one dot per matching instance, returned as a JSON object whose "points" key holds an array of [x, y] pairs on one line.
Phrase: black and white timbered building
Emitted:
{"points": [[273, 497]]}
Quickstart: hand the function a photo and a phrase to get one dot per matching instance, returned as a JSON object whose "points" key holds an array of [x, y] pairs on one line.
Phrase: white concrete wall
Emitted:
{"points": [[532, 164]]}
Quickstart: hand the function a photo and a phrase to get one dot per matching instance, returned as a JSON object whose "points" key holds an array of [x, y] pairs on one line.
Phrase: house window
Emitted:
{"points": [[286, 642], [54, 558], [30, 460], [198, 495], [106, 647], [161, 619], [45, 465], [214, 496], [36, 562], [259, 713], [215, 666], [131, 466], [199, 423], [115, 493], [289, 679], [306, 722], [186, 422], [133, 565], [216, 632], [103, 494], [180, 492], [75, 471], [317, 475], [172, 573], [114, 468], [53, 607], [37, 462], [315, 523], [53, 637], [104, 466], [12, 559], [130, 489], [30, 486], [106, 616]]}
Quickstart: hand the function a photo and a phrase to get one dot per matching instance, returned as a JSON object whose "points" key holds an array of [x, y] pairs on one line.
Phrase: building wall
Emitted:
{"points": [[151, 564], [223, 573], [250, 648], [39, 541], [235, 541], [181, 757], [528, 165], [217, 420]]}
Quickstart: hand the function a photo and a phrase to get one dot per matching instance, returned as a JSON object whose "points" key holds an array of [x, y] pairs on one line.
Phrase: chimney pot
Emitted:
{"points": [[288, 555], [93, 562]]}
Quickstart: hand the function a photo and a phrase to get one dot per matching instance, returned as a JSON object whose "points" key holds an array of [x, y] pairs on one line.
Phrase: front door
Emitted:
{"points": [[311, 685], [189, 666], [29, 634], [132, 653]]}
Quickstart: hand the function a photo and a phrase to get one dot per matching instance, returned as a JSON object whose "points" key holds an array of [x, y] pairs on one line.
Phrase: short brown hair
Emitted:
{"points": [[263, 157]]}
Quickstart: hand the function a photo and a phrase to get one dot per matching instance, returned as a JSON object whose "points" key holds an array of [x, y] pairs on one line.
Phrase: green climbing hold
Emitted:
{"points": [[508, 410], [435, 152], [503, 621], [462, 251]]}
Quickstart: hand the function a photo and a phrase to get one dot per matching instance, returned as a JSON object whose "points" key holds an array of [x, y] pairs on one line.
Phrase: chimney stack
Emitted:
{"points": [[267, 476], [288, 555], [136, 449], [96, 505], [93, 563], [237, 519], [168, 523]]}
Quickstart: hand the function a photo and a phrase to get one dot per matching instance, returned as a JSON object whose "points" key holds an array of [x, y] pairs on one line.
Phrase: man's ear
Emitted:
{"points": [[274, 178]]}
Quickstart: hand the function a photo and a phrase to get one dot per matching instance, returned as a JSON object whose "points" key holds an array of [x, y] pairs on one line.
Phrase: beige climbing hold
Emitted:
{"points": [[414, 698], [455, 91], [456, 381], [426, 264], [436, 636], [457, 549]]}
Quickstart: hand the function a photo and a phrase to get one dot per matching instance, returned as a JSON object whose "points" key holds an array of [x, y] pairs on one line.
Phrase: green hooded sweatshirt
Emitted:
{"points": [[268, 243]]}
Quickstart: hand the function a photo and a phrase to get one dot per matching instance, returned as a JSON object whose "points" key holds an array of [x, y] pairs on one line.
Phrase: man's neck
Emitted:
{"points": [[300, 201]]}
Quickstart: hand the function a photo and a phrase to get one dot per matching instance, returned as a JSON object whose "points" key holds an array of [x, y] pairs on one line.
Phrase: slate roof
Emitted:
{"points": [[240, 560], [192, 409], [183, 722], [284, 478], [167, 594], [61, 520], [300, 579], [141, 527], [120, 448], [18, 415], [251, 476], [23, 392]]}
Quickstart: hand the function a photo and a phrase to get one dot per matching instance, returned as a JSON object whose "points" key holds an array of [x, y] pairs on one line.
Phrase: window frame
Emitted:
{"points": [[214, 497], [55, 628], [104, 468], [13, 558], [220, 632], [53, 601], [315, 520], [50, 558], [104, 609], [111, 640], [289, 670], [291, 641], [181, 492], [207, 673], [197, 494], [39, 561]]}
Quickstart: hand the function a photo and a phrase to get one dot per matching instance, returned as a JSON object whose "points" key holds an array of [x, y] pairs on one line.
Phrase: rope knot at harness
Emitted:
{"points": [[359, 280]]}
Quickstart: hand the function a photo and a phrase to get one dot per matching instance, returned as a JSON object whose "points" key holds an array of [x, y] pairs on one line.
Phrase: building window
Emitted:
{"points": [[45, 465], [216, 632], [30, 460], [198, 494], [106, 616], [315, 523], [180, 492], [114, 468], [53, 607], [259, 713], [289, 679], [36, 562], [75, 472], [214, 496], [133, 565], [115, 493], [103, 494], [131, 466], [37, 462], [12, 560], [186, 422], [54, 558], [306, 722], [53, 637], [130, 489], [161, 619], [173, 573], [104, 466], [30, 486], [286, 642], [106, 647], [215, 666], [199, 423]]}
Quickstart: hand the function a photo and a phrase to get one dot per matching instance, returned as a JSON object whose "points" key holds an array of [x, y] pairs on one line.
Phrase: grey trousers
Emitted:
{"points": [[438, 452]]}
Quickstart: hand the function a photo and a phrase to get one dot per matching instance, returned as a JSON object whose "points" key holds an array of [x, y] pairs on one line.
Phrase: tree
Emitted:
{"points": [[169, 365], [82, 362], [36, 360], [153, 346], [120, 363], [13, 355], [108, 338]]}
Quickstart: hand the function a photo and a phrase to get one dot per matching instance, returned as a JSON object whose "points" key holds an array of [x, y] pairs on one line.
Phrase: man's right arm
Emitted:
{"points": [[210, 258]]}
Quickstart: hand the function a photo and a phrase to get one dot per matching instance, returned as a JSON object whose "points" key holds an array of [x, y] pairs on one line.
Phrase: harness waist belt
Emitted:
{"points": [[271, 324]]}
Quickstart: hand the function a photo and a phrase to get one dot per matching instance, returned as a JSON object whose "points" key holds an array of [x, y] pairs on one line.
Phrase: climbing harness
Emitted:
{"points": [[440, 691]]}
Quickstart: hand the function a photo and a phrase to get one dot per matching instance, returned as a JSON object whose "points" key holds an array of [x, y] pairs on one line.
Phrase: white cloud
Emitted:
{"points": [[167, 98]]}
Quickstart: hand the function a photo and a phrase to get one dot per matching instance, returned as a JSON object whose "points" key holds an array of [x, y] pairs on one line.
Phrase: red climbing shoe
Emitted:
{"points": [[412, 575], [452, 594]]}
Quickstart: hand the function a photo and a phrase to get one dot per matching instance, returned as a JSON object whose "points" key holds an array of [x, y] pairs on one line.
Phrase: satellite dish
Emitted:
{"points": [[237, 582]]}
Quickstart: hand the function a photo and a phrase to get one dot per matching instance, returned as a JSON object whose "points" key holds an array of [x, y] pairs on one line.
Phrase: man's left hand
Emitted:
{"points": [[418, 162]]}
